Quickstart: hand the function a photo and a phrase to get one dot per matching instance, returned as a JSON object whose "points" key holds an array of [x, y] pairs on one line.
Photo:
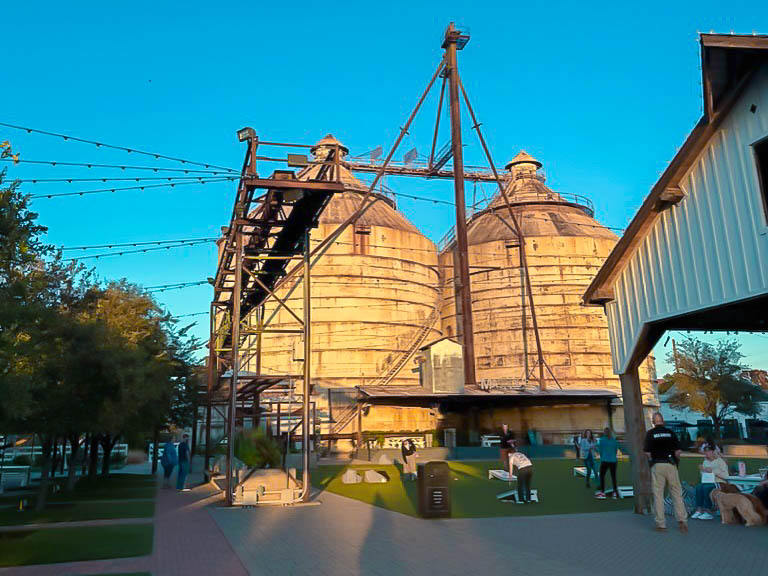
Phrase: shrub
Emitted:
{"points": [[255, 450]]}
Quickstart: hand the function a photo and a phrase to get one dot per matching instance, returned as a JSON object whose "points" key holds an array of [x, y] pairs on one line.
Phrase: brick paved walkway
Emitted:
{"points": [[344, 536], [187, 542]]}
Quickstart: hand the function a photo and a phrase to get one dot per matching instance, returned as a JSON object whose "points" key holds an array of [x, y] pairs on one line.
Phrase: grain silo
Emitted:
{"points": [[375, 300], [565, 246]]}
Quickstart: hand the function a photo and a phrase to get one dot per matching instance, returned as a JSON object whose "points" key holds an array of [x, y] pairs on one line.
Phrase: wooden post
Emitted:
{"points": [[359, 427], [634, 423]]}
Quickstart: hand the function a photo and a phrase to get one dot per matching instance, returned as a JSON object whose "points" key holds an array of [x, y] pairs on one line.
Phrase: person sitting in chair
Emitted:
{"points": [[524, 473], [713, 470]]}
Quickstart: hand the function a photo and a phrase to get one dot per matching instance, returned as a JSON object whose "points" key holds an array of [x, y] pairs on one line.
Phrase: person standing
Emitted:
{"points": [[181, 477], [608, 448], [587, 446], [505, 446], [713, 470], [168, 461], [663, 451], [524, 473], [408, 451]]}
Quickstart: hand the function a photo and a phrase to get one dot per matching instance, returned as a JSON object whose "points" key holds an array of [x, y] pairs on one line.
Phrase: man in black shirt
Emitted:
{"points": [[507, 442], [663, 451]]}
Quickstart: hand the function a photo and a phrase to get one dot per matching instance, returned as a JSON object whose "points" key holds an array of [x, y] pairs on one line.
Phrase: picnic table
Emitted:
{"points": [[20, 473], [745, 483], [488, 440]]}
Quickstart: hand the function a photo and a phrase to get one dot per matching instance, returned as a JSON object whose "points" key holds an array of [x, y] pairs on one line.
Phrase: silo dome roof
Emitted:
{"points": [[343, 205], [539, 210]]}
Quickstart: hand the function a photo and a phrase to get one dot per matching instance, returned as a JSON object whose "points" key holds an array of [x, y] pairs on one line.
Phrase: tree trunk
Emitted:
{"points": [[86, 445], [107, 443], [94, 456], [155, 450], [716, 421], [46, 445], [74, 441], [54, 458]]}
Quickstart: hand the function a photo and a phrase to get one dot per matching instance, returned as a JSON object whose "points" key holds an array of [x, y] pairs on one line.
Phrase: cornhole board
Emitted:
{"points": [[580, 471], [501, 475], [626, 491], [511, 496]]}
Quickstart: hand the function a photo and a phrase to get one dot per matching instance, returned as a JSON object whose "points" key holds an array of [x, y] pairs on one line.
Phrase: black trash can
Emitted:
{"points": [[434, 487]]}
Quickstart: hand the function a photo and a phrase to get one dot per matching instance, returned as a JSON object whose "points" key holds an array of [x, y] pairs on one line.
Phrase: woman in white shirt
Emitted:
{"points": [[524, 468], [713, 469]]}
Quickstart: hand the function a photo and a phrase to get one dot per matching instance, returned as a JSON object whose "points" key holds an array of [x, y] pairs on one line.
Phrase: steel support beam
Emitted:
{"points": [[236, 300], [462, 252]]}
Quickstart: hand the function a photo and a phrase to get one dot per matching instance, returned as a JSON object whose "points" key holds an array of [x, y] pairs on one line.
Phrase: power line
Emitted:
{"points": [[141, 250], [134, 244], [119, 166], [114, 147], [178, 286], [123, 179], [213, 179]]}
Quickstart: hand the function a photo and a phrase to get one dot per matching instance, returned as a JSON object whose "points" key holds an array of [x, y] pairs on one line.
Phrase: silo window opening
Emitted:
{"points": [[761, 160], [362, 239]]}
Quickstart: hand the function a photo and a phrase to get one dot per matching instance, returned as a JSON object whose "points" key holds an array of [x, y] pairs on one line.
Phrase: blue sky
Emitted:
{"points": [[601, 93]]}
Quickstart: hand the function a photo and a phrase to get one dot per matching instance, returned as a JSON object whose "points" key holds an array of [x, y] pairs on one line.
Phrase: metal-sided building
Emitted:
{"points": [[695, 256]]}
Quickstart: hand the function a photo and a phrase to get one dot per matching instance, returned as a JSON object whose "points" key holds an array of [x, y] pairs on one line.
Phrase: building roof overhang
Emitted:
{"points": [[475, 392], [727, 64]]}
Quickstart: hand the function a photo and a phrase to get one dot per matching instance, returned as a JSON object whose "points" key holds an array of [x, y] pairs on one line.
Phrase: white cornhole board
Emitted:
{"points": [[626, 491], [373, 477], [351, 477], [511, 496], [384, 460], [582, 471], [501, 475]]}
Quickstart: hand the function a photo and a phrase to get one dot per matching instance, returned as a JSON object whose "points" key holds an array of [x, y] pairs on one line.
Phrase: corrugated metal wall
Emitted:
{"points": [[712, 247]]}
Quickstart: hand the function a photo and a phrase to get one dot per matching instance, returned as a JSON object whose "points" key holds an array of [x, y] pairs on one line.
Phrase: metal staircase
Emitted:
{"points": [[415, 344]]}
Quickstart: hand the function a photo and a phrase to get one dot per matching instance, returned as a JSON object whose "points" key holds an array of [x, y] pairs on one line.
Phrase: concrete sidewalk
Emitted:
{"points": [[344, 536]]}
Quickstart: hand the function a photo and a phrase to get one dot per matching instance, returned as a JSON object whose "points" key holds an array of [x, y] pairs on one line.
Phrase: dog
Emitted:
{"points": [[735, 508]]}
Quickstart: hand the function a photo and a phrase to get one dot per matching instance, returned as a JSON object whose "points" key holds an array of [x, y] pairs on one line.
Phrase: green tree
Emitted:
{"points": [[708, 379]]}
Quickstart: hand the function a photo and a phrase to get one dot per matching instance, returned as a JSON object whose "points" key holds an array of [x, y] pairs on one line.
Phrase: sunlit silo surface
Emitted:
{"points": [[565, 246], [375, 295]]}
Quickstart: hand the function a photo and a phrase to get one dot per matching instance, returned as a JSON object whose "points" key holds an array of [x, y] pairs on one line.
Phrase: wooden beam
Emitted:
{"points": [[634, 424]]}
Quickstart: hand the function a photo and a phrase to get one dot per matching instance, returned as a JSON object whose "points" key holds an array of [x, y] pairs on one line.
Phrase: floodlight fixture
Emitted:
{"points": [[246, 134]]}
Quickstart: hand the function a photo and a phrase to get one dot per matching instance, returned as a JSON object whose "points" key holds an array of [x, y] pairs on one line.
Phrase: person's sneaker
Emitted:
{"points": [[186, 489], [600, 495], [705, 516], [683, 527], [696, 515], [615, 496], [519, 501]]}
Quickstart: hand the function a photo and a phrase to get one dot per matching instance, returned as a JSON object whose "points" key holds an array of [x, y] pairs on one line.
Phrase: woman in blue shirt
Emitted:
{"points": [[608, 448]]}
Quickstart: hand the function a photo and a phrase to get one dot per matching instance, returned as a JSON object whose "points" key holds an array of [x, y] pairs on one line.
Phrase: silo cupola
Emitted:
{"points": [[523, 165]]}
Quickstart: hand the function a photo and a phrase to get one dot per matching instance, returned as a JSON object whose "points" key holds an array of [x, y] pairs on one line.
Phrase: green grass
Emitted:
{"points": [[113, 487], [75, 511], [474, 496], [53, 545]]}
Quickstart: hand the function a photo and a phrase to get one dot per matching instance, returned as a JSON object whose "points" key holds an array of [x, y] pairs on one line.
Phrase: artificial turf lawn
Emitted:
{"points": [[474, 496], [52, 545], [75, 511]]}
